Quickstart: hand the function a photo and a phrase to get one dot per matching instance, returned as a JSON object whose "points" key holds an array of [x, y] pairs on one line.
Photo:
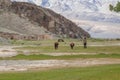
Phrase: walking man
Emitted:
{"points": [[85, 42], [56, 45]]}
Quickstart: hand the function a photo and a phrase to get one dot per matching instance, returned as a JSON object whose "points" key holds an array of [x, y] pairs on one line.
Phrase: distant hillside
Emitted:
{"points": [[29, 19]]}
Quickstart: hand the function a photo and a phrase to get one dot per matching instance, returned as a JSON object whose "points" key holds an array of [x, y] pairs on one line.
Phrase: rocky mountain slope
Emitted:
{"points": [[29, 19], [99, 21]]}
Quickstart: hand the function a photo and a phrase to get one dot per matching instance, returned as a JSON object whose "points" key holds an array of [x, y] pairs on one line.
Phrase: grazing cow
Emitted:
{"points": [[60, 40], [72, 45]]}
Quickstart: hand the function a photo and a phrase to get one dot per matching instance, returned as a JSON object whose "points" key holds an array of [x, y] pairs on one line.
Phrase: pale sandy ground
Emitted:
{"points": [[7, 51], [24, 65], [61, 54]]}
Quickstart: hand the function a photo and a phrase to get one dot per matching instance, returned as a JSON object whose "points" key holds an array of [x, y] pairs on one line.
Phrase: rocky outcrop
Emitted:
{"points": [[52, 22], [5, 3], [14, 36]]}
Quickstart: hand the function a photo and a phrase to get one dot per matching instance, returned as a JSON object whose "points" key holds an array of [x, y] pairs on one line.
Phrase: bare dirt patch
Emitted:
{"points": [[24, 65], [61, 54], [7, 51]]}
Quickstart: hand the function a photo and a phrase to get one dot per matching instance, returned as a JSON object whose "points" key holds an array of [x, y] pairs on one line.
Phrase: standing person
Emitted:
{"points": [[85, 42], [72, 45], [56, 45]]}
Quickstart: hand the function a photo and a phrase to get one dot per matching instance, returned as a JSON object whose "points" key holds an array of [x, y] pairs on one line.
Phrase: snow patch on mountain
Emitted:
{"points": [[81, 9]]}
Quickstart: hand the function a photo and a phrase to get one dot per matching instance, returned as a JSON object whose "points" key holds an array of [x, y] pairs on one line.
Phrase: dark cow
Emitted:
{"points": [[60, 40], [72, 45]]}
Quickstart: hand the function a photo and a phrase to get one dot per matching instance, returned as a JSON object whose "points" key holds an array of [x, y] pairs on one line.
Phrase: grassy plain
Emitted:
{"points": [[106, 72], [77, 49], [97, 48], [34, 50]]}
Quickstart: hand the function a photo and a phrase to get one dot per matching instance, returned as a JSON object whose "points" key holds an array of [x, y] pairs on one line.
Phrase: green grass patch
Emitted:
{"points": [[77, 49], [65, 57], [106, 72]]}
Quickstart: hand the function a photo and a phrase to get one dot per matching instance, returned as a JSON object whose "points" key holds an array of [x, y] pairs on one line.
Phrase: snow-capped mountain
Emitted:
{"points": [[81, 9], [92, 10]]}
